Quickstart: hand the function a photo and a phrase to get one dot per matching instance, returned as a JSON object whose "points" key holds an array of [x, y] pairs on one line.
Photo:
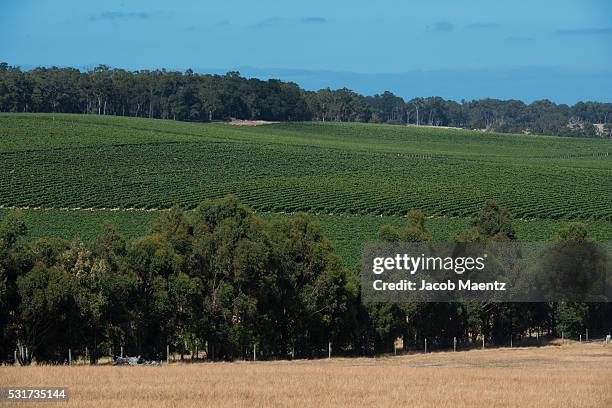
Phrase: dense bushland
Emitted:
{"points": [[201, 97], [223, 279]]}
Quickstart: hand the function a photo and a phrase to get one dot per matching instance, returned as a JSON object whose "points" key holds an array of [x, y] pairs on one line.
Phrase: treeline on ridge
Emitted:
{"points": [[190, 96], [223, 279]]}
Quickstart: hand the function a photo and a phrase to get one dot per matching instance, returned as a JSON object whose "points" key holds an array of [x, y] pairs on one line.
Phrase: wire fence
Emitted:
{"points": [[400, 347]]}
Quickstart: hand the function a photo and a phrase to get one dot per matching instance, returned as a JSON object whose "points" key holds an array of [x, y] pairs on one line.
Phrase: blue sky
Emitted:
{"points": [[523, 49]]}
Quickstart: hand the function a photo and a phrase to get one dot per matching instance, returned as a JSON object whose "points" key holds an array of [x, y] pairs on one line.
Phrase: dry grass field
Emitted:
{"points": [[553, 376]]}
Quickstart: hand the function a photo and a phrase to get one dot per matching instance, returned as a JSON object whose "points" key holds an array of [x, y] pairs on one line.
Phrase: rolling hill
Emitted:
{"points": [[70, 171]]}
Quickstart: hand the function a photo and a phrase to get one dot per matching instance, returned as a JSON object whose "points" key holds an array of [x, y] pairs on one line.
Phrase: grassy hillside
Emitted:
{"points": [[107, 162], [353, 177]]}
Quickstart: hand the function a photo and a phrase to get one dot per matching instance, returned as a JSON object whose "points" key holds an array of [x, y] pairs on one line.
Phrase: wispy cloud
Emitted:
{"points": [[275, 21], [119, 15], [313, 20], [584, 31], [481, 26], [443, 26]]}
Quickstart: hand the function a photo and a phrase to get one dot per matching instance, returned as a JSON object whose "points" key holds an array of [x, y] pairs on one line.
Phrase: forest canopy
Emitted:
{"points": [[222, 280], [190, 96]]}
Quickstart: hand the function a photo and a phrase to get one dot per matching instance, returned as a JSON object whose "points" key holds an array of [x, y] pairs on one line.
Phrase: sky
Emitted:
{"points": [[556, 49]]}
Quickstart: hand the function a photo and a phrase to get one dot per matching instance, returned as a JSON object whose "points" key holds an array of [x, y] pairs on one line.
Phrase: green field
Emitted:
{"points": [[351, 177]]}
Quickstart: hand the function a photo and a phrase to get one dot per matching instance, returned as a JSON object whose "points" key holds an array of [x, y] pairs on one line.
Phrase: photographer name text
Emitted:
{"points": [[425, 286]]}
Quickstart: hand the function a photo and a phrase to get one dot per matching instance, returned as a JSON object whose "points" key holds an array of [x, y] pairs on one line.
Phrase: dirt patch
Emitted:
{"points": [[239, 122]]}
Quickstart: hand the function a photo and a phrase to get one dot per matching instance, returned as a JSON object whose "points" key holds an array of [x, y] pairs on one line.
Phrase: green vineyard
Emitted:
{"points": [[74, 161], [352, 178]]}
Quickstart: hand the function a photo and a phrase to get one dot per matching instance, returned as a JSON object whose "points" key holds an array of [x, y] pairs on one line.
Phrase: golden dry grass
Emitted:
{"points": [[568, 376]]}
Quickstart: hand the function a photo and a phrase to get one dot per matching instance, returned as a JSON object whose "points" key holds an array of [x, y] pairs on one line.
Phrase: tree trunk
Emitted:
{"points": [[24, 355], [93, 355]]}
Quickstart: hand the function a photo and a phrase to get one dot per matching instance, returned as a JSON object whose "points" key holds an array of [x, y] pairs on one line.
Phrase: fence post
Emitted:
{"points": [[293, 352], [121, 351], [425, 344], [510, 341], [581, 339], [454, 343], [168, 353], [69, 356], [15, 357], [254, 352], [483, 342], [329, 350], [587, 335]]}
